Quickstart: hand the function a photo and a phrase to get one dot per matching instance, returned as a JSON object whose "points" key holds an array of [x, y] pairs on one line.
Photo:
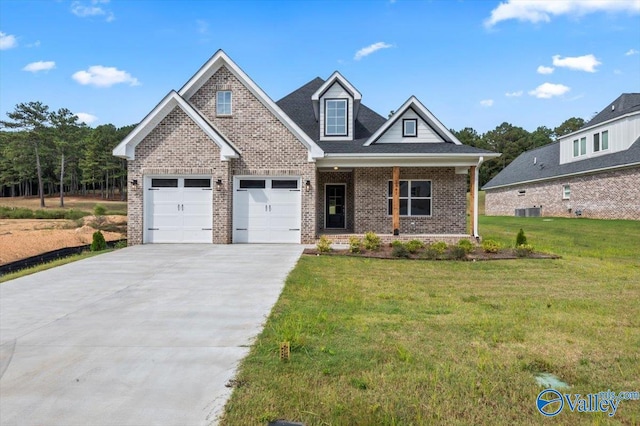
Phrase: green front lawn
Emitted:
{"points": [[386, 342]]}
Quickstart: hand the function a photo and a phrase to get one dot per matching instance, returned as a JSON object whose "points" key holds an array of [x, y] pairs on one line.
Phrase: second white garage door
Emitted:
{"points": [[266, 210]]}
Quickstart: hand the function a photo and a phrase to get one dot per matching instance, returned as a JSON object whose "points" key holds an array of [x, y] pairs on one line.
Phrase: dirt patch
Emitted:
{"points": [[22, 238]]}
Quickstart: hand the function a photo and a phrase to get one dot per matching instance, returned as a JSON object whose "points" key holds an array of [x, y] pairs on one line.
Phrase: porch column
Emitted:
{"points": [[473, 200], [396, 200]]}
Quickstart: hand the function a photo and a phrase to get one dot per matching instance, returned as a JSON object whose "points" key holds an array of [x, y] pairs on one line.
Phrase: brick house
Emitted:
{"points": [[592, 172], [219, 161]]}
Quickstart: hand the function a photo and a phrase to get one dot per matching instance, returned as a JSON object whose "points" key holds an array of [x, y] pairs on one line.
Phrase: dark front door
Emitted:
{"points": [[335, 206]]}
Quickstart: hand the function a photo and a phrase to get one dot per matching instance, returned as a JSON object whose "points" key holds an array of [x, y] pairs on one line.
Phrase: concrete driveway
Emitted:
{"points": [[147, 335]]}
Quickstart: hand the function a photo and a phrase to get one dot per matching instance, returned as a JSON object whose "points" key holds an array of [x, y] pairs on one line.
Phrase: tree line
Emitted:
{"points": [[47, 152], [512, 141]]}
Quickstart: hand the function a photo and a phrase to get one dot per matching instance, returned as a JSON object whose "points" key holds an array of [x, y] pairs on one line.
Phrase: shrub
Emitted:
{"points": [[466, 245], [18, 213], [397, 243], [120, 244], [400, 251], [75, 214], [355, 244], [99, 210], [414, 245], [439, 247], [521, 239], [490, 246], [371, 241], [457, 252], [324, 244], [524, 250], [431, 253], [98, 243]]}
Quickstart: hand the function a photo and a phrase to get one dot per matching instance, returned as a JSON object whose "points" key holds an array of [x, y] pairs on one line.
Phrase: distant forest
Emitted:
{"points": [[45, 152]]}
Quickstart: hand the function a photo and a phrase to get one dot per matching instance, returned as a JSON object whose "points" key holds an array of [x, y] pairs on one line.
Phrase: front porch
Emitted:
{"points": [[343, 238]]}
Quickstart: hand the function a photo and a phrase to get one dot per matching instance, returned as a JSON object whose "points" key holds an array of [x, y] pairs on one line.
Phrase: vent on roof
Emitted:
{"points": [[613, 107], [535, 160]]}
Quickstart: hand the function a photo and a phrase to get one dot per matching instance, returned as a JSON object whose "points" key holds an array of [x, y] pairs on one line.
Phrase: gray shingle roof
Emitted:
{"points": [[299, 107], [547, 165], [624, 104]]}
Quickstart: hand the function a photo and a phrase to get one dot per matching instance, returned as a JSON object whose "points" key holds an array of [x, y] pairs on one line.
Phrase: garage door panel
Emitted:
{"points": [[177, 214]]}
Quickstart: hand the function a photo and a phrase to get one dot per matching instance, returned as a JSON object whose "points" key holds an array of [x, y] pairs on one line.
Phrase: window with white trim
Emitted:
{"points": [[596, 142], [415, 198], [410, 128], [576, 147], [580, 147], [335, 112], [604, 140], [583, 145], [223, 102], [566, 192]]}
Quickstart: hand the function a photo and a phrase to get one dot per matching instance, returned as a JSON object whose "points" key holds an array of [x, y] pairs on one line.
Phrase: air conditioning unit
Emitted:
{"points": [[521, 212], [532, 212]]}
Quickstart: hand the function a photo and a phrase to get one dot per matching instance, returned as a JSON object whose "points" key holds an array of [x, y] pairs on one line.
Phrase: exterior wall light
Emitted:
{"points": [[219, 184], [134, 182], [307, 185]]}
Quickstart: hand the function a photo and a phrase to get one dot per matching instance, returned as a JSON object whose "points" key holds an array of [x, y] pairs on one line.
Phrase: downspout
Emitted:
{"points": [[476, 177]]}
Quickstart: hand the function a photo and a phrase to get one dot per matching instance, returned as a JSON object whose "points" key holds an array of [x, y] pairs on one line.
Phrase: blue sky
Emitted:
{"points": [[472, 63]]}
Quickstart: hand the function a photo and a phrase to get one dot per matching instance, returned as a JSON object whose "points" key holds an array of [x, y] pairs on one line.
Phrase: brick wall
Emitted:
{"points": [[607, 195], [178, 146], [448, 205]]}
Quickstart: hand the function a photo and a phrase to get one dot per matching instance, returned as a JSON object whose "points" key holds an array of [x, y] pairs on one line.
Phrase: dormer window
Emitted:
{"points": [[335, 117], [223, 102], [409, 128]]}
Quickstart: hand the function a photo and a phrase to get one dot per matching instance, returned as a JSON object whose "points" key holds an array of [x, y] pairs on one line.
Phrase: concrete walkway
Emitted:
{"points": [[147, 335]]}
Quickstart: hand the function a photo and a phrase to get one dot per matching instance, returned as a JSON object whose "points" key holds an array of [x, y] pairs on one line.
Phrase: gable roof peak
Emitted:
{"points": [[414, 104], [333, 78]]}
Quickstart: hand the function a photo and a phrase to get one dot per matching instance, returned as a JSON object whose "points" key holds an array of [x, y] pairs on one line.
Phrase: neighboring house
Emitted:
{"points": [[592, 172], [219, 161]]}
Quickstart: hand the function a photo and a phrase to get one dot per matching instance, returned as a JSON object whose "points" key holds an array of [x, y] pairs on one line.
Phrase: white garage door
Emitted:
{"points": [[178, 209], [266, 210]]}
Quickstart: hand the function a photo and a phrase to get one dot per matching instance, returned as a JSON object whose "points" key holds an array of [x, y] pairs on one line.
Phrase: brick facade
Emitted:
{"points": [[607, 195], [448, 203]]}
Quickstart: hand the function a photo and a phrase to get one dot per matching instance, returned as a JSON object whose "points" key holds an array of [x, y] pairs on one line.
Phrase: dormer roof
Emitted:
{"points": [[414, 104], [334, 78]]}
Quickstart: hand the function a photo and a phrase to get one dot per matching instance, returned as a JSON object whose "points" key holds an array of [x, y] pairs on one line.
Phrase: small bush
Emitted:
{"points": [[439, 247], [120, 244], [99, 210], [17, 213], [457, 253], [371, 241], [75, 214], [355, 244], [414, 245], [400, 251], [524, 250], [431, 253], [397, 243], [490, 246], [521, 239], [466, 245], [98, 243], [324, 244]]}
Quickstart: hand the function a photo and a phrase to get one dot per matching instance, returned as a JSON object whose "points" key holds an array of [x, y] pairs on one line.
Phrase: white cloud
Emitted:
{"points": [[545, 70], [631, 52], [7, 41], [535, 11], [100, 76], [486, 102], [34, 44], [549, 90], [85, 117], [93, 9], [586, 63], [39, 66], [202, 26], [513, 94], [366, 51]]}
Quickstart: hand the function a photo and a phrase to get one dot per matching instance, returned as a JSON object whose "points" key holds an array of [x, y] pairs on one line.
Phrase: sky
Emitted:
{"points": [[472, 63]]}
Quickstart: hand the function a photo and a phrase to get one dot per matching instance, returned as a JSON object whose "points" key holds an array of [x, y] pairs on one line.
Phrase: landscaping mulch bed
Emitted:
{"points": [[384, 252]]}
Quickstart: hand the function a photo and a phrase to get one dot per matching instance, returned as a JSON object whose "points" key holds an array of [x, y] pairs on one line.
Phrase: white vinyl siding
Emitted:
{"points": [[395, 133], [614, 137], [336, 91]]}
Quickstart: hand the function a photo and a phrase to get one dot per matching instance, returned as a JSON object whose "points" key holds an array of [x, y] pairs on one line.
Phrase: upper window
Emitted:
{"points": [[410, 128], [223, 102], [605, 140], [415, 198], [580, 147], [596, 142], [566, 192], [335, 117]]}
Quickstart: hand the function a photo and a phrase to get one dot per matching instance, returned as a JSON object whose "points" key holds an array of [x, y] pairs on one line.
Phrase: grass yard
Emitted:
{"points": [[401, 342], [70, 203]]}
